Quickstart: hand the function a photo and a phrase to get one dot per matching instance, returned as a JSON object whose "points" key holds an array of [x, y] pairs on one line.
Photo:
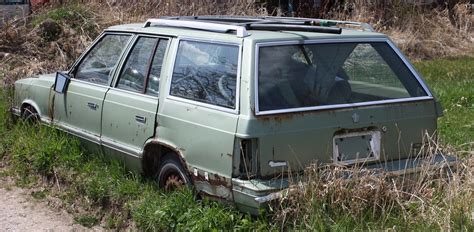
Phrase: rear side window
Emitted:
{"points": [[135, 70], [206, 72], [141, 71]]}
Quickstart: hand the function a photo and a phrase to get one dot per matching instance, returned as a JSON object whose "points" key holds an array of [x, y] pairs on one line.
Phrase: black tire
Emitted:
{"points": [[172, 175], [30, 115]]}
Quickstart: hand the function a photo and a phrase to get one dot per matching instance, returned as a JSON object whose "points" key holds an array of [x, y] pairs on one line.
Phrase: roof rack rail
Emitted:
{"points": [[292, 27], [240, 24], [329, 23], [209, 26], [246, 20]]}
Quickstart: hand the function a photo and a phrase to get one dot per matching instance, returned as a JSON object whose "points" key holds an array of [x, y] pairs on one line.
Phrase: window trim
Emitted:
{"points": [[234, 110], [94, 43], [129, 51], [338, 106]]}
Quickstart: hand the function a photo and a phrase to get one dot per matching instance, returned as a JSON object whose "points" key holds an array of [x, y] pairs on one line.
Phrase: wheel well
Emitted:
{"points": [[26, 105], [152, 157]]}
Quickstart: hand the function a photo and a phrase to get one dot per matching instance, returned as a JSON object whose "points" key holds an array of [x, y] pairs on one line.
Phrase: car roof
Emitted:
{"points": [[255, 35]]}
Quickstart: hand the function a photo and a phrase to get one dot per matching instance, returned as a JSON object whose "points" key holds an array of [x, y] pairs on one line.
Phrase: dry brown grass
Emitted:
{"points": [[31, 53], [441, 197], [420, 33]]}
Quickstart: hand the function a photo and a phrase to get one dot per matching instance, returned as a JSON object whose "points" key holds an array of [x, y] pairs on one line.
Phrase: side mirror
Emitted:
{"points": [[61, 82]]}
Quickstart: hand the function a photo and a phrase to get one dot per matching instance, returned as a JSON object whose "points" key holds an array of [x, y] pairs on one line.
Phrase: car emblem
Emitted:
{"points": [[355, 117]]}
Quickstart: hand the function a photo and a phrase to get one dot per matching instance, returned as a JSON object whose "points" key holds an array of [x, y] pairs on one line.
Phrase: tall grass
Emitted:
{"points": [[97, 190]]}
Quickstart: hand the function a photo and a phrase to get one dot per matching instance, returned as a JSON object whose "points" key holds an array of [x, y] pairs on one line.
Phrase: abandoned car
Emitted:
{"points": [[231, 105]]}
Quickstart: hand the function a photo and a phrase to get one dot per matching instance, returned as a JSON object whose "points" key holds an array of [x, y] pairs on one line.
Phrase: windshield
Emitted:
{"points": [[309, 75]]}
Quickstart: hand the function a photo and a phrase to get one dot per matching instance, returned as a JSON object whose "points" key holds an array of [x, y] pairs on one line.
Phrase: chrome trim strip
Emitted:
{"points": [[320, 41], [46, 120], [235, 110], [340, 106], [121, 147], [205, 105], [89, 83], [208, 26], [77, 132], [271, 196], [134, 93], [15, 111]]}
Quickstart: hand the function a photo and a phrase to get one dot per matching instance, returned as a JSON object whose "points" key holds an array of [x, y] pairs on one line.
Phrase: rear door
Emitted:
{"points": [[200, 111], [130, 106]]}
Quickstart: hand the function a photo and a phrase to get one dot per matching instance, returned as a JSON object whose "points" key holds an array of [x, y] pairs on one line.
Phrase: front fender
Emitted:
{"points": [[38, 93]]}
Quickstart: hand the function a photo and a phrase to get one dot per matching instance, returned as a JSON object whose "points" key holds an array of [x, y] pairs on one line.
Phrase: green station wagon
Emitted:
{"points": [[232, 105]]}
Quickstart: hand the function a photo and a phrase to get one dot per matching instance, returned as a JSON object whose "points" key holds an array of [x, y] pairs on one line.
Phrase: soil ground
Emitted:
{"points": [[19, 211]]}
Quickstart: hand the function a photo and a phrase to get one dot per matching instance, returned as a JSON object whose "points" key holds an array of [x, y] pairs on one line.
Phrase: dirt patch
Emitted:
{"points": [[19, 211]]}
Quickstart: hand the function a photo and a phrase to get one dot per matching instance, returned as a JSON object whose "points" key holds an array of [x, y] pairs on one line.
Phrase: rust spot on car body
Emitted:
{"points": [[213, 186]]}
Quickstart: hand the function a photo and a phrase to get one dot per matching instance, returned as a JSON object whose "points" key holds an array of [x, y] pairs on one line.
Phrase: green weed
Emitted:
{"points": [[86, 220], [452, 80], [93, 182]]}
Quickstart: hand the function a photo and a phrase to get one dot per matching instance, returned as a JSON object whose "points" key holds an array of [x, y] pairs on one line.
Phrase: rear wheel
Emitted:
{"points": [[172, 175]]}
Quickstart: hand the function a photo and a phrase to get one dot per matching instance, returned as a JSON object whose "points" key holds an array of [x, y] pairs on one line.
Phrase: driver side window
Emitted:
{"points": [[206, 72], [98, 65]]}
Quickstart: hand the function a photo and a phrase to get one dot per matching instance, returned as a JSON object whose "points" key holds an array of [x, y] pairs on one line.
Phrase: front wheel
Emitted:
{"points": [[30, 115], [172, 175]]}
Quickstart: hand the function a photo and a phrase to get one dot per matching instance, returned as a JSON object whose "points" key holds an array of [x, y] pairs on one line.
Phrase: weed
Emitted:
{"points": [[41, 194], [452, 80], [86, 220], [93, 183]]}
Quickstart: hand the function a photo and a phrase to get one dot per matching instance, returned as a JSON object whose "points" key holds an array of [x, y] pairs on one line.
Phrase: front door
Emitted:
{"points": [[129, 109], [79, 110]]}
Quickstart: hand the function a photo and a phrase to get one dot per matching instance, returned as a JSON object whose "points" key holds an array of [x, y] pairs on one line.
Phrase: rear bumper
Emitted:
{"points": [[253, 195]]}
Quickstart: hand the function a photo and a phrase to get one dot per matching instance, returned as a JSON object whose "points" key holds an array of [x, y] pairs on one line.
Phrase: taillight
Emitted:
{"points": [[245, 158]]}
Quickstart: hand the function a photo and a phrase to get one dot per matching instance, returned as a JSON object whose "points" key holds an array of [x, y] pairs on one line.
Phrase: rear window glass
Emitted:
{"points": [[206, 72], [298, 76]]}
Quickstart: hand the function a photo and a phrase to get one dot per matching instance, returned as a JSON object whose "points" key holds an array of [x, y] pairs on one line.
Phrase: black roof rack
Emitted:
{"points": [[240, 24]]}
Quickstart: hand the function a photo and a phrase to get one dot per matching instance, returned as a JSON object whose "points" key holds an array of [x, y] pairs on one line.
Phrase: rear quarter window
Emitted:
{"points": [[206, 72]]}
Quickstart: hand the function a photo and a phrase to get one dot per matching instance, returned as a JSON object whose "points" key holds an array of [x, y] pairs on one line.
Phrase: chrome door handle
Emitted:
{"points": [[92, 105], [140, 119]]}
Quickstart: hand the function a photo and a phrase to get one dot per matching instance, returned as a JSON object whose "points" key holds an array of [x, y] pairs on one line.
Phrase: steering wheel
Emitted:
{"points": [[224, 90], [202, 87]]}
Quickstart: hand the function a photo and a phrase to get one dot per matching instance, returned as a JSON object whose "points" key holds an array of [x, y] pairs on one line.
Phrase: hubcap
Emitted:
{"points": [[173, 181]]}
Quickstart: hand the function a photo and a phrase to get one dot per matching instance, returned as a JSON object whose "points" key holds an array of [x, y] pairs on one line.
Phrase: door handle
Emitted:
{"points": [[92, 105], [140, 119]]}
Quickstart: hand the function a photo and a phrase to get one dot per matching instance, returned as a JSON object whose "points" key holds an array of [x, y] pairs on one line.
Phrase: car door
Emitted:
{"points": [[130, 106], [199, 112], [79, 110]]}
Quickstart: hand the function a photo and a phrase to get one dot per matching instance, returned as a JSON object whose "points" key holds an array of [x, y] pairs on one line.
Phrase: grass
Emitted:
{"points": [[101, 191], [452, 80], [95, 189]]}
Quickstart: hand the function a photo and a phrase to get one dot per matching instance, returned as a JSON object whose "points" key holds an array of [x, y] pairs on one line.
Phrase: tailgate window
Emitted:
{"points": [[311, 75]]}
